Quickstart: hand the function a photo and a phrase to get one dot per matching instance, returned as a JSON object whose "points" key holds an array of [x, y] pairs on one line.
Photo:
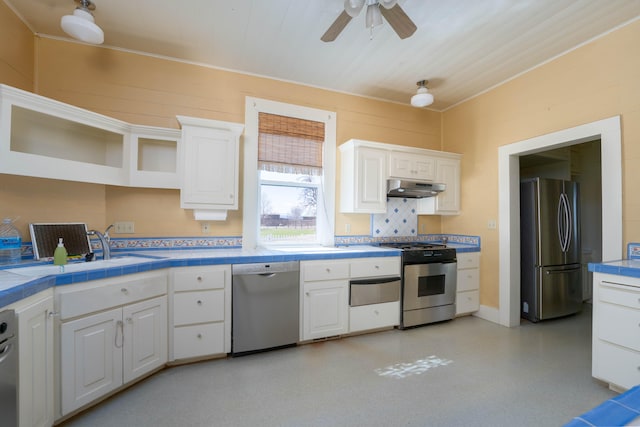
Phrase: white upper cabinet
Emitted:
{"points": [[413, 166], [367, 165], [363, 176], [154, 157], [209, 163], [44, 138]]}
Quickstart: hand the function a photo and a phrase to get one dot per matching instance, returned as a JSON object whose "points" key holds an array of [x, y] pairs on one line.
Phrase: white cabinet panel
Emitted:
{"points": [[198, 340], [447, 202], [91, 358], [209, 164], [374, 316], [411, 166], [376, 266], [35, 370], [325, 309], [198, 307], [325, 270], [145, 324], [363, 177]]}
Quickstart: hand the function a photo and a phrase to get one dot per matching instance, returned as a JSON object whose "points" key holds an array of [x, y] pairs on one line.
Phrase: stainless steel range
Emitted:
{"points": [[428, 283]]}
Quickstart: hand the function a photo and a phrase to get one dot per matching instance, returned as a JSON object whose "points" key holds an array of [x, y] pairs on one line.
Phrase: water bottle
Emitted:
{"points": [[10, 243]]}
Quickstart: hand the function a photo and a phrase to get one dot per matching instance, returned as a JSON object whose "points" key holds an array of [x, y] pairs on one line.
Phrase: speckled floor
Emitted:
{"points": [[458, 373]]}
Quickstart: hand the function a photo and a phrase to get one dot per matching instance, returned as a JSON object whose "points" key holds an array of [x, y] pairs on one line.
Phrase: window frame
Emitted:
{"points": [[251, 209]]}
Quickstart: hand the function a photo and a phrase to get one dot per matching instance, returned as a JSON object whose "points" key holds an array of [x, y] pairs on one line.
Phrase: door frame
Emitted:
{"points": [[608, 131]]}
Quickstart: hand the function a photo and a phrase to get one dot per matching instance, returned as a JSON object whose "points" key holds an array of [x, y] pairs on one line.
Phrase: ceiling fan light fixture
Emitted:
{"points": [[422, 98], [353, 7], [81, 25]]}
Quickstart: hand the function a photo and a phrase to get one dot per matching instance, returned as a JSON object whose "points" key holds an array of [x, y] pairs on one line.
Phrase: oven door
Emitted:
{"points": [[429, 285]]}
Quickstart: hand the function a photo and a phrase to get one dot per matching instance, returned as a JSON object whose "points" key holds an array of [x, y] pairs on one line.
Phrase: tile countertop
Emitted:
{"points": [[625, 267], [18, 282]]}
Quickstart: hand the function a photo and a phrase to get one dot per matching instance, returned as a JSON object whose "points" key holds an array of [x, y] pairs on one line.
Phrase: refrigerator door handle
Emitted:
{"points": [[564, 222]]}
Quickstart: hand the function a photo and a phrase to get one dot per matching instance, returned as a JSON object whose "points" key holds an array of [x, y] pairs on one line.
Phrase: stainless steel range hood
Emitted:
{"points": [[413, 189]]}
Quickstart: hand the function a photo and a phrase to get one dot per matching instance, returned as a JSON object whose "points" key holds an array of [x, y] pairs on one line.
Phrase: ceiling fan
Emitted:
{"points": [[391, 10]]}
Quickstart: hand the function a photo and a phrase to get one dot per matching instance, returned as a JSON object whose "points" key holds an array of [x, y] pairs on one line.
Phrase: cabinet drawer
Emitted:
{"points": [[198, 307], [198, 278], [371, 267], [468, 260], [90, 297], [374, 316], [468, 280], [198, 340], [324, 270], [616, 365], [616, 295], [467, 302], [619, 325]]}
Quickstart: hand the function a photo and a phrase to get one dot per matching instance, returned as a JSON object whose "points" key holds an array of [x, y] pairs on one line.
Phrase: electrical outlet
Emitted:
{"points": [[347, 228], [491, 224], [423, 228], [206, 228], [123, 227]]}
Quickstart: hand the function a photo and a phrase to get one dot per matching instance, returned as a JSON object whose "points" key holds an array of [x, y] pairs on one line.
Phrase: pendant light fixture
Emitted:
{"points": [[422, 98], [81, 25]]}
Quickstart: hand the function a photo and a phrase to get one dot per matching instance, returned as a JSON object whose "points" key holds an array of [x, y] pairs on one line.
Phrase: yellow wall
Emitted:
{"points": [[151, 91], [16, 51], [596, 81]]}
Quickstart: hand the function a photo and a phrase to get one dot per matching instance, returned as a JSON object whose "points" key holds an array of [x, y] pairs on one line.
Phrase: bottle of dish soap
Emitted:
{"points": [[60, 254]]}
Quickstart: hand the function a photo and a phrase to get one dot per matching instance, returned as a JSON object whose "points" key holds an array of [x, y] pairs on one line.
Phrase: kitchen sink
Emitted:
{"points": [[50, 269]]}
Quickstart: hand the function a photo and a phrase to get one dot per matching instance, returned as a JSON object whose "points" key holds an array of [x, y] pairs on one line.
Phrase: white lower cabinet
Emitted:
{"points": [[200, 312], [35, 360], [616, 330], [122, 338], [468, 283]]}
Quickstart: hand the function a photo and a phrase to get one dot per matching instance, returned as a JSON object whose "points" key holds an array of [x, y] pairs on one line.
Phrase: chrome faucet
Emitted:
{"points": [[104, 241]]}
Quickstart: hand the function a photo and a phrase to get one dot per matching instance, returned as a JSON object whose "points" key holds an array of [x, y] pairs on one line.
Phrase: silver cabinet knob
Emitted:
{"points": [[124, 290], [199, 302], [199, 278], [199, 336]]}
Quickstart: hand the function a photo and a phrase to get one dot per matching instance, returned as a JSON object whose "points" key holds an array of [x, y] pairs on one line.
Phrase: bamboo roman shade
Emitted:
{"points": [[289, 145]]}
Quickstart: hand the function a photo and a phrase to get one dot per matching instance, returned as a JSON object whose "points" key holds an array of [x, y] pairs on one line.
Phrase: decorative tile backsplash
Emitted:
{"points": [[401, 219]]}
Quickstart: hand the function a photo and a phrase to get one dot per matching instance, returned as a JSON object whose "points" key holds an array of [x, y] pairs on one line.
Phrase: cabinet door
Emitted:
{"points": [[325, 309], [412, 166], [371, 191], [145, 337], [90, 358], [447, 202], [35, 398], [210, 175]]}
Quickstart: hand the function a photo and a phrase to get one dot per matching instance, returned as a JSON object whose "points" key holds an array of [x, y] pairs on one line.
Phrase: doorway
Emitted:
{"points": [[608, 131]]}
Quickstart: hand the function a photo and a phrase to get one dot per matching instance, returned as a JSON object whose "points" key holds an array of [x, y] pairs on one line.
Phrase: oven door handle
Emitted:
{"points": [[375, 281]]}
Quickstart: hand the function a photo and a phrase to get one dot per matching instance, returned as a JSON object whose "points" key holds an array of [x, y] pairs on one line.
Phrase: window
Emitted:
{"points": [[289, 175]]}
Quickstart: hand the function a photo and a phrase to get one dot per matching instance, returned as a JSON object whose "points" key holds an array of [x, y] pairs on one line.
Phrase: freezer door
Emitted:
{"points": [[559, 291]]}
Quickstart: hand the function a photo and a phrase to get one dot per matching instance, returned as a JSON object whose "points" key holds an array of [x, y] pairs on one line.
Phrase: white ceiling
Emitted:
{"points": [[463, 47]]}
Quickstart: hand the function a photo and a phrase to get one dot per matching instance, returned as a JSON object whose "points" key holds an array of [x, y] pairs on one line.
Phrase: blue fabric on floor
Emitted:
{"points": [[617, 411]]}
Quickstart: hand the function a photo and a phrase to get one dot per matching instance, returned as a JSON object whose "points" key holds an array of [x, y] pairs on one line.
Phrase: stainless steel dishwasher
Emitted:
{"points": [[265, 306], [8, 369]]}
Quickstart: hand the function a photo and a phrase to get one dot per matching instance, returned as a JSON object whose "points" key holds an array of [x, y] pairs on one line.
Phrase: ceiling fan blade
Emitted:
{"points": [[336, 28], [399, 21]]}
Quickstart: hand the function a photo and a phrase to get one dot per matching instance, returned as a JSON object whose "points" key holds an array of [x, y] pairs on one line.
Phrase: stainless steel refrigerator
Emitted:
{"points": [[550, 271]]}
